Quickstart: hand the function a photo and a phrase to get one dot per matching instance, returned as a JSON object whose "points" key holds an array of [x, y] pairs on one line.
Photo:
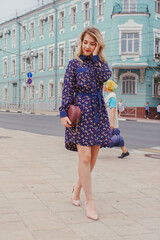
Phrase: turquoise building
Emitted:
{"points": [[43, 40]]}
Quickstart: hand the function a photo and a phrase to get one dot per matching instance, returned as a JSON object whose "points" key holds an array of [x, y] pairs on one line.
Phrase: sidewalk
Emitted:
{"points": [[36, 177]]}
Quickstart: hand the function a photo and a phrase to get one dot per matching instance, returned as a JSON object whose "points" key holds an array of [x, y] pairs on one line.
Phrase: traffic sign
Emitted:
{"points": [[29, 81], [29, 75]]}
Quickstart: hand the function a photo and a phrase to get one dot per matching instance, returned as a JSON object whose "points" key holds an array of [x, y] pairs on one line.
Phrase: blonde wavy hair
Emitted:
{"points": [[96, 34]]}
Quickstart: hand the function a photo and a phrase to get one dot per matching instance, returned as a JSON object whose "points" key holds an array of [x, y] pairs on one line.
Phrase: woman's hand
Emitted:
{"points": [[111, 126], [96, 50], [66, 122]]}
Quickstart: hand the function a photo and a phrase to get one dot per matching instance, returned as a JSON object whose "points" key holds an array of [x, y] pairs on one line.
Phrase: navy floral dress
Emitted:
{"points": [[83, 86]]}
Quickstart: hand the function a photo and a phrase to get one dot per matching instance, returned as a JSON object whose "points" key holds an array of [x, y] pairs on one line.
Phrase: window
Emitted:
{"points": [[100, 8], [51, 90], [50, 58], [73, 52], [32, 30], [157, 48], [23, 64], [51, 25], [73, 16], [13, 38], [60, 88], [128, 85], [158, 6], [41, 91], [5, 94], [61, 57], [5, 68], [32, 64], [5, 40], [13, 67], [156, 92], [61, 19], [86, 11], [130, 43], [32, 92], [24, 92], [41, 61], [129, 5], [41, 28], [24, 33]]}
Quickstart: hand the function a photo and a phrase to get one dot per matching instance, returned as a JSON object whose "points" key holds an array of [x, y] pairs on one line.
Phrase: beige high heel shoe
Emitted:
{"points": [[90, 214], [75, 202]]}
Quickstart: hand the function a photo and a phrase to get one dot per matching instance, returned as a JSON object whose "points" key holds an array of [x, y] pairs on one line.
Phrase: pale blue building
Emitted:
{"points": [[43, 40]]}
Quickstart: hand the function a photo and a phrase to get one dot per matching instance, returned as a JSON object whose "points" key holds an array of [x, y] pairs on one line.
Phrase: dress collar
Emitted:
{"points": [[83, 57]]}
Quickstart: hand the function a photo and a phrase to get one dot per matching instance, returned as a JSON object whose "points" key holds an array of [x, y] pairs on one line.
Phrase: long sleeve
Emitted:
{"points": [[68, 89], [103, 71]]}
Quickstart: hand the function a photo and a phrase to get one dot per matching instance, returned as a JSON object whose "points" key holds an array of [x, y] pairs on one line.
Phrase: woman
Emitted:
{"points": [[111, 105], [83, 85]]}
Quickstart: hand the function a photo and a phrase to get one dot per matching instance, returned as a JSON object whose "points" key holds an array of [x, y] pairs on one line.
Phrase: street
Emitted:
{"points": [[136, 134]]}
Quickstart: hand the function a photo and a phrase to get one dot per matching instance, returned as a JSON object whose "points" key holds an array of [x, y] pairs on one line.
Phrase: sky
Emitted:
{"points": [[8, 8]]}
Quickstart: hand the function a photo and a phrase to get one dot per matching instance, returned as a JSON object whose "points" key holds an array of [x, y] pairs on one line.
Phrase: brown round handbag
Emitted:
{"points": [[74, 114]]}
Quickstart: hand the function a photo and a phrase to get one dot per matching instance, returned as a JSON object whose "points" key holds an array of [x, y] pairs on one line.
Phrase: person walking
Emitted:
{"points": [[111, 105], [83, 86], [158, 111], [147, 110], [120, 107]]}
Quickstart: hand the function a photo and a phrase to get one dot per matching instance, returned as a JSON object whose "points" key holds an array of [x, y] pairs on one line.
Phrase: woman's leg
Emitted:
{"points": [[84, 170], [94, 154]]}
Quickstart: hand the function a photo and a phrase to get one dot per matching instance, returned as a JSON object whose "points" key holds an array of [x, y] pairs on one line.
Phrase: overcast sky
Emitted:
{"points": [[8, 7]]}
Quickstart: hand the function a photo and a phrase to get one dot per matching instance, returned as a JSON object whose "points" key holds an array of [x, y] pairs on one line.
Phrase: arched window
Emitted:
{"points": [[41, 90], [24, 92], [156, 86], [129, 83], [51, 90], [60, 88], [5, 93], [32, 92]]}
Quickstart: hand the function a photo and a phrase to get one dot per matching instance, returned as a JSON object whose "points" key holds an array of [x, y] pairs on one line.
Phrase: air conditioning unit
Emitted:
{"points": [[25, 56], [157, 55], [8, 31], [1, 34], [45, 18], [34, 54]]}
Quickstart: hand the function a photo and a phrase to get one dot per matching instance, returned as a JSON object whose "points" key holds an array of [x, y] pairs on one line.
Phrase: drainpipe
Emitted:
{"points": [[19, 65], [55, 58]]}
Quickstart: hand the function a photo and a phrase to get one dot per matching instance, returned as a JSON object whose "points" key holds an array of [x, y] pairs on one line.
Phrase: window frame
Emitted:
{"points": [[135, 81], [157, 7], [133, 43], [98, 8], [5, 67], [5, 94], [13, 67], [13, 38], [32, 31], [130, 9], [51, 23], [61, 20], [86, 11], [24, 33], [41, 91]]}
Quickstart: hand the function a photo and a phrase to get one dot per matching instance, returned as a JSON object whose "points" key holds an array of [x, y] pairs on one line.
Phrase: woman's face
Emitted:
{"points": [[88, 45]]}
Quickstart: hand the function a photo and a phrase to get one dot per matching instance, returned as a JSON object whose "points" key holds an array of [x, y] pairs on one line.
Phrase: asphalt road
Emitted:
{"points": [[136, 134]]}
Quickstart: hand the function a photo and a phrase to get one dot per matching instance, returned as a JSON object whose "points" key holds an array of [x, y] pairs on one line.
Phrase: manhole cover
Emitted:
{"points": [[153, 155]]}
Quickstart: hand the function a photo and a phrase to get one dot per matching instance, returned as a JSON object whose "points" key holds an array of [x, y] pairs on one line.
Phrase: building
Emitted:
{"points": [[43, 40]]}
